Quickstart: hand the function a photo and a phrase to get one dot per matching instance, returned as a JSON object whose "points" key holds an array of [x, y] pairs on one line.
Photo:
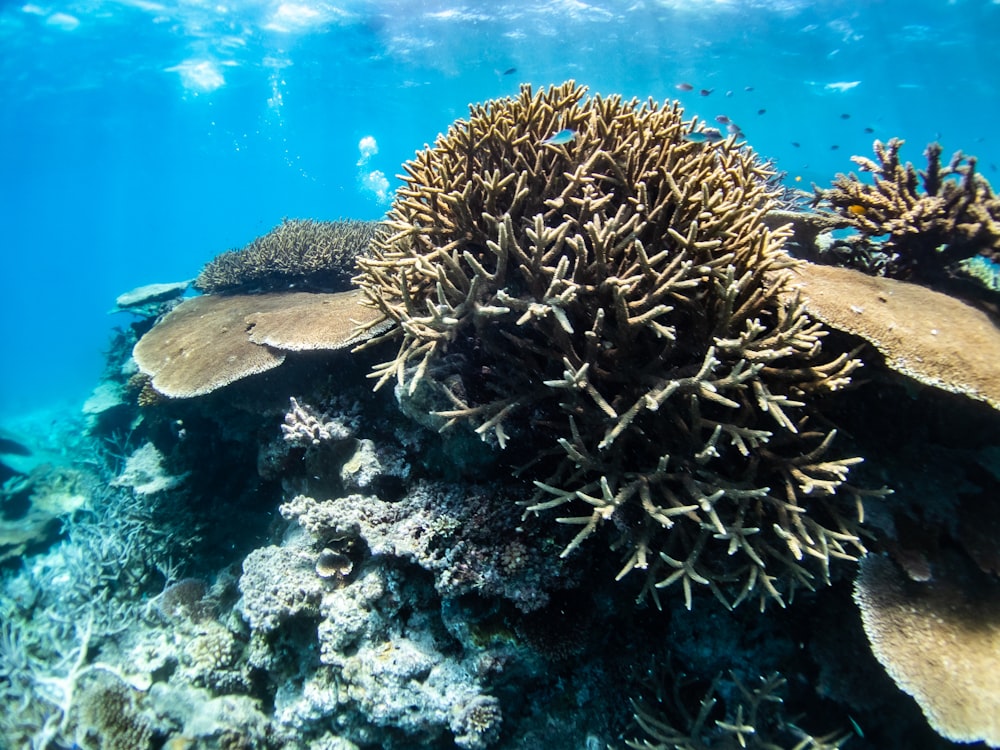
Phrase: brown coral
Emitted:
{"points": [[940, 641], [208, 342], [314, 255], [928, 336], [623, 290], [922, 224]]}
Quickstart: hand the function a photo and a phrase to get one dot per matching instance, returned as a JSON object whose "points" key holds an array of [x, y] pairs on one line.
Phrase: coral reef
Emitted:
{"points": [[940, 641], [279, 583], [622, 291], [386, 671], [444, 528], [922, 226], [600, 327], [211, 341], [144, 300], [110, 719], [32, 505], [931, 337], [298, 253], [752, 719]]}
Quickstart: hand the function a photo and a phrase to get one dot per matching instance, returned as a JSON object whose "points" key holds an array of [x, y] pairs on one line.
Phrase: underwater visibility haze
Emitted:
{"points": [[403, 373]]}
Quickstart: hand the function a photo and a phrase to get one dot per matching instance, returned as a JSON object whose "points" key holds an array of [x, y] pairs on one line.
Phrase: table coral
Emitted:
{"points": [[940, 641], [931, 337], [208, 342], [621, 291]]}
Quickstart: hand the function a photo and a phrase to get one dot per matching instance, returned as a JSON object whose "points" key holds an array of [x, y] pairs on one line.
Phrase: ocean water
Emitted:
{"points": [[140, 139], [293, 561]]}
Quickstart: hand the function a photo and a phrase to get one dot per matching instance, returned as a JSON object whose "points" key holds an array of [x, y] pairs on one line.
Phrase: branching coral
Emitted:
{"points": [[622, 292], [318, 255], [753, 720], [922, 225]]}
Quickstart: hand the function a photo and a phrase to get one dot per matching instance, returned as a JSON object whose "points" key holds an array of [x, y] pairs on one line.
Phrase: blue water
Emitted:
{"points": [[138, 139]]}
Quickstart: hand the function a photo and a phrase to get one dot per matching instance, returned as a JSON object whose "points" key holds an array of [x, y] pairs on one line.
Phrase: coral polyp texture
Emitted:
{"points": [[613, 298], [940, 641], [316, 255], [920, 225], [923, 334]]}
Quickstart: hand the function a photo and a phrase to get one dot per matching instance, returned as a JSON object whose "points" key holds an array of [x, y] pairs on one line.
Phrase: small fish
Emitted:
{"points": [[857, 209], [708, 135], [683, 86], [761, 111], [856, 726], [798, 178], [796, 144], [706, 92], [869, 130], [841, 86], [729, 93], [509, 71], [722, 119], [733, 129], [845, 116], [561, 138], [748, 88], [834, 147]]}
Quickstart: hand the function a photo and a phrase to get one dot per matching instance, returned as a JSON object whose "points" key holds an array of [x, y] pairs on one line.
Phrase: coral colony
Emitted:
{"points": [[624, 441]]}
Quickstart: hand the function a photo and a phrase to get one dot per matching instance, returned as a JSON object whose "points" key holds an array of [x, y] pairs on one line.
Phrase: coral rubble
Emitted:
{"points": [[623, 292]]}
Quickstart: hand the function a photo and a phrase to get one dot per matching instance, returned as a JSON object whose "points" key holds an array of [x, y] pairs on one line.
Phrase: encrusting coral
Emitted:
{"points": [[318, 255], [617, 288], [916, 225]]}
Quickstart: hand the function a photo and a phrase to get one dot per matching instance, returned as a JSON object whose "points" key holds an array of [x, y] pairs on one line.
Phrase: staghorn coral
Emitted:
{"points": [[623, 292], [301, 253], [919, 225], [984, 269], [752, 719]]}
